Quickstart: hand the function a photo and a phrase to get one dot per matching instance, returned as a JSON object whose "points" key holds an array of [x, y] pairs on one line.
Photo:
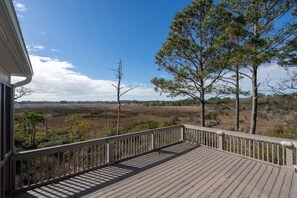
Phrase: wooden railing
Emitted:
{"points": [[42, 166], [272, 150]]}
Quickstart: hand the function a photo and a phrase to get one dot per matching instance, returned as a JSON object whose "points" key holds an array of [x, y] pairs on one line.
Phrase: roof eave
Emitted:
{"points": [[18, 47]]}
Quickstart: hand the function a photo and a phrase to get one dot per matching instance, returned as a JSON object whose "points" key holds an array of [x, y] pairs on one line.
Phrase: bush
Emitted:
{"points": [[211, 116], [279, 129], [140, 126]]}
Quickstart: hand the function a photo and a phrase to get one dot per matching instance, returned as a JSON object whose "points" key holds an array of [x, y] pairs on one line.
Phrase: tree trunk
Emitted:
{"points": [[34, 133], [237, 100], [119, 116], [119, 95], [254, 101], [46, 127], [31, 132], [202, 106]]}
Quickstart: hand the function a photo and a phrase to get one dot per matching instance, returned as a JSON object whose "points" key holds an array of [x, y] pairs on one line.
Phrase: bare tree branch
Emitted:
{"points": [[119, 76], [21, 92]]}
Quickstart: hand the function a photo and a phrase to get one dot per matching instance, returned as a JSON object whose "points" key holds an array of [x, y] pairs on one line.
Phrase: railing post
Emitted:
{"points": [[182, 133], [289, 152], [152, 141], [110, 152], [13, 174], [221, 140]]}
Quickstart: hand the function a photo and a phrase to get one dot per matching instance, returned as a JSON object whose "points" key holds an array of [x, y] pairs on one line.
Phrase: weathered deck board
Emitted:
{"points": [[260, 185], [269, 184], [152, 181], [293, 192], [278, 183], [198, 183], [174, 188], [182, 170]]}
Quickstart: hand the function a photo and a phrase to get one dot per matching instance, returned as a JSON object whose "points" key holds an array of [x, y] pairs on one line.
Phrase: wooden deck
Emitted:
{"points": [[182, 170]]}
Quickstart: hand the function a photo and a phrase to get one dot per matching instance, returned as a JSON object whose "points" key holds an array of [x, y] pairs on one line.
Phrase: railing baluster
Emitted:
{"points": [[40, 170], [240, 146], [262, 144], [250, 148], [51, 164], [21, 174], [29, 169], [122, 149], [267, 149], [258, 150], [244, 147], [277, 150], [272, 154], [236, 145], [48, 169], [101, 154], [230, 143], [35, 173], [254, 149], [96, 155], [134, 146]]}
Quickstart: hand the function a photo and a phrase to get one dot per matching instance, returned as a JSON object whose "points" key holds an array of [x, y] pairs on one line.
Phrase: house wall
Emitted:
{"points": [[4, 78], [6, 137]]}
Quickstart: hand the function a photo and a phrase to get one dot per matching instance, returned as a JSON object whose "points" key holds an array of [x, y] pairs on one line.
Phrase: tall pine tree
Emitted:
{"points": [[261, 45], [192, 52]]}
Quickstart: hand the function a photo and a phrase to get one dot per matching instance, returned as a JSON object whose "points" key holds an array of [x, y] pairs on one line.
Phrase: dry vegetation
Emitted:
{"points": [[277, 117]]}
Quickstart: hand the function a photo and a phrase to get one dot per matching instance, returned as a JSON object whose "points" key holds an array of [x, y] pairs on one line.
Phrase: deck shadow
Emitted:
{"points": [[95, 180]]}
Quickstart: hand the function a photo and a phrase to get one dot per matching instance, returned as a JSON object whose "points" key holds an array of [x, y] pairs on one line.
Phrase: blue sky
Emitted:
{"points": [[93, 36], [73, 46]]}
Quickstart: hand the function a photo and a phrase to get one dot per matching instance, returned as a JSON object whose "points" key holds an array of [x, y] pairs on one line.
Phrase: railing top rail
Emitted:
{"points": [[77, 145], [243, 135]]}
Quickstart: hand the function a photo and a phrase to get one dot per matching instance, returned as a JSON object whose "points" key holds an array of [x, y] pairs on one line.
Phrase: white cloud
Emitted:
{"points": [[20, 7], [55, 50], [268, 73], [38, 47], [35, 47], [55, 80]]}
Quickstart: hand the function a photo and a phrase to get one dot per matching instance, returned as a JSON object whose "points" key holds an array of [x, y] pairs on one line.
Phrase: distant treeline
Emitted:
{"points": [[183, 102]]}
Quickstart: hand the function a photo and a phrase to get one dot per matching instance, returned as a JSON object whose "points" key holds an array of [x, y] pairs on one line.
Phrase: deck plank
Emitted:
{"points": [[253, 182], [197, 187], [293, 193], [270, 182], [181, 186], [286, 187], [198, 180], [182, 170], [229, 179], [157, 188], [238, 180], [245, 181], [164, 172], [260, 185], [278, 183]]}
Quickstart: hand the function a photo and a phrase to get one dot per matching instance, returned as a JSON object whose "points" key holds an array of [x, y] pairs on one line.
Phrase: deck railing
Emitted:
{"points": [[272, 150], [42, 166]]}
